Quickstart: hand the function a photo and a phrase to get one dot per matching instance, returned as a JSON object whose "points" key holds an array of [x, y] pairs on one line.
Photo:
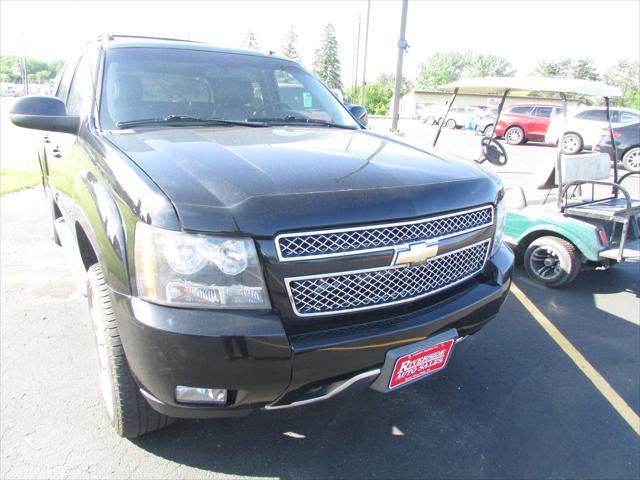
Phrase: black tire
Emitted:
{"points": [[451, 123], [552, 261], [572, 143], [430, 120], [514, 135], [631, 160], [488, 131], [128, 411]]}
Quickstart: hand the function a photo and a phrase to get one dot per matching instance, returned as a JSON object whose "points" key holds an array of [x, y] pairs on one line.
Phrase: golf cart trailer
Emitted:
{"points": [[570, 215]]}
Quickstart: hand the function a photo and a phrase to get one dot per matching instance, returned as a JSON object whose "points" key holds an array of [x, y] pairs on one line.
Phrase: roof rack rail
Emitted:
{"points": [[111, 36]]}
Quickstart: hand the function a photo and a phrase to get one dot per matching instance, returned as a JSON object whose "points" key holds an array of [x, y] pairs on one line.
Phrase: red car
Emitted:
{"points": [[522, 122]]}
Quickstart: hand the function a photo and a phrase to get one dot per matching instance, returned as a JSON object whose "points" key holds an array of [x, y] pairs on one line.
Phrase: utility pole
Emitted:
{"points": [[25, 81], [364, 61], [355, 75], [402, 47]]}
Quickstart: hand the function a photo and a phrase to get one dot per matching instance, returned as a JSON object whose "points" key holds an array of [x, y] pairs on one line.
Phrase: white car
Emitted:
{"points": [[584, 126], [431, 114], [461, 116]]}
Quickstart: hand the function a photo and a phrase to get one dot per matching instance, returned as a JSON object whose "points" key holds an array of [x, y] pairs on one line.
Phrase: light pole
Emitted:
{"points": [[355, 75], [402, 46], [366, 44]]}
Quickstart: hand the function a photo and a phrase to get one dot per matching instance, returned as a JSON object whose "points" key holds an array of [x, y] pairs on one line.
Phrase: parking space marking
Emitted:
{"points": [[616, 401]]}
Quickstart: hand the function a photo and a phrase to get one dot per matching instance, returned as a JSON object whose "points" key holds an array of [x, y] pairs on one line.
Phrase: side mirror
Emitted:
{"points": [[44, 113], [360, 113]]}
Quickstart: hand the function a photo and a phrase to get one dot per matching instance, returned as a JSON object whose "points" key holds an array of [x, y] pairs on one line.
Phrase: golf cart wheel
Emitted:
{"points": [[128, 411], [430, 120], [514, 135], [488, 131], [631, 160], [572, 143], [451, 123], [552, 261]]}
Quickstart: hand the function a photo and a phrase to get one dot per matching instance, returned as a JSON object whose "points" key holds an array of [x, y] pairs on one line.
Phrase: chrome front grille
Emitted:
{"points": [[365, 289], [348, 241]]}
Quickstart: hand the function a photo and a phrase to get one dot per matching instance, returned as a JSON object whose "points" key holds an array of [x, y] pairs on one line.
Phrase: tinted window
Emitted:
{"points": [[542, 112], [148, 83], [595, 115], [65, 81], [80, 87], [625, 117], [521, 110]]}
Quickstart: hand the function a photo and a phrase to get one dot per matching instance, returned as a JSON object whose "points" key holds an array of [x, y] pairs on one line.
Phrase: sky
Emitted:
{"points": [[524, 32]]}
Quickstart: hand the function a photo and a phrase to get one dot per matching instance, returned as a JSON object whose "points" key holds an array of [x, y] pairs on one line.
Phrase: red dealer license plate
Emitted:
{"points": [[414, 365]]}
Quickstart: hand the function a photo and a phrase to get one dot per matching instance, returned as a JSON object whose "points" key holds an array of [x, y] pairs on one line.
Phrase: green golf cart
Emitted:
{"points": [[570, 215]]}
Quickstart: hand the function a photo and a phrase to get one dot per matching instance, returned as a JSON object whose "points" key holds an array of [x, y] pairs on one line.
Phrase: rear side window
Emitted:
{"points": [[65, 81], [542, 112], [81, 87], [594, 115], [625, 117], [521, 110]]}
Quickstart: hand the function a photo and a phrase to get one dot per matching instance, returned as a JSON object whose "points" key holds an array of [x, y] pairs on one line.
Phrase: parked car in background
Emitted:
{"points": [[431, 114], [522, 122], [461, 116], [584, 127], [483, 122], [627, 140]]}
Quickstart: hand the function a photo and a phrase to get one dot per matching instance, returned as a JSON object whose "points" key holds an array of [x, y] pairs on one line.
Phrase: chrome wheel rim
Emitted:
{"points": [[514, 135], [451, 124], [633, 160], [545, 263], [570, 144], [106, 385]]}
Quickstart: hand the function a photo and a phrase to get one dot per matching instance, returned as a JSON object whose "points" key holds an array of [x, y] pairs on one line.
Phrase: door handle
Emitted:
{"points": [[56, 152]]}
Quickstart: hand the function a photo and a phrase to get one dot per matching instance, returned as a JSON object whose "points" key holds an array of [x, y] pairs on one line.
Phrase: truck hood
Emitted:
{"points": [[260, 181]]}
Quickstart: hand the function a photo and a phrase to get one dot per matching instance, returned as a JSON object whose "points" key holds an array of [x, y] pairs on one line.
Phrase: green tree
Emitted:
{"points": [[289, 49], [326, 64], [445, 67], [250, 42], [626, 75], [553, 68], [585, 69], [378, 94], [388, 81], [37, 70]]}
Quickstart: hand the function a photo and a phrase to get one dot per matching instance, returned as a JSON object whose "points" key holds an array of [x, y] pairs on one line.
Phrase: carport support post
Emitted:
{"points": [[451, 100], [500, 107], [402, 46]]}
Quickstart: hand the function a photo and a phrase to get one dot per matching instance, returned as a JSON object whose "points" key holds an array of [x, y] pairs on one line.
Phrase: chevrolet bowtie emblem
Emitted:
{"points": [[416, 253]]}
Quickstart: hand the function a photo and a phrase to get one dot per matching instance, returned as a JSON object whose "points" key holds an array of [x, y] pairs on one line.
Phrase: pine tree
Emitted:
{"points": [[250, 42], [289, 49], [327, 64]]}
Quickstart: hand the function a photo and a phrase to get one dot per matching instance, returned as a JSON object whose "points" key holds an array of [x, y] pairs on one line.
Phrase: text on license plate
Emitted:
{"points": [[417, 364]]}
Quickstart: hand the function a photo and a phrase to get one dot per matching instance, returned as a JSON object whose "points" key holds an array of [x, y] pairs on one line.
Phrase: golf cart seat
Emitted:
{"points": [[538, 191]]}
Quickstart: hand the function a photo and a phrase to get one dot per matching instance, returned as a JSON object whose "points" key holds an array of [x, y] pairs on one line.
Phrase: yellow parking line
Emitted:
{"points": [[616, 401]]}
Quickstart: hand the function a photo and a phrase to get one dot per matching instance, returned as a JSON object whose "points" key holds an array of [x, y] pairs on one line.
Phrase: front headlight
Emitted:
{"points": [[501, 216], [188, 270]]}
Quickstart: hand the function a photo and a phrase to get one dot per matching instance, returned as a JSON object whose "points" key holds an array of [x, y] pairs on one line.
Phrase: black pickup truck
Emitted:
{"points": [[241, 248]]}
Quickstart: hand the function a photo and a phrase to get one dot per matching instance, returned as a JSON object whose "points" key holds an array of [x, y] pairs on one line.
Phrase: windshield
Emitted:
{"points": [[161, 83]]}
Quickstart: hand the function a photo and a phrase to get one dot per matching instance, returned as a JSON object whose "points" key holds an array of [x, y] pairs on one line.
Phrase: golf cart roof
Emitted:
{"points": [[486, 85]]}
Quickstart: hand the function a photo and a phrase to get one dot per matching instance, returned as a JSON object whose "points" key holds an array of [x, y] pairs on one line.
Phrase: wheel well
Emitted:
{"points": [[628, 150], [87, 253], [524, 243]]}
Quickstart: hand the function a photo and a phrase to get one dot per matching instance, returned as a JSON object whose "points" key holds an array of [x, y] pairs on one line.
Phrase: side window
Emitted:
{"points": [[595, 115], [542, 112], [81, 88], [65, 81], [521, 110], [625, 117]]}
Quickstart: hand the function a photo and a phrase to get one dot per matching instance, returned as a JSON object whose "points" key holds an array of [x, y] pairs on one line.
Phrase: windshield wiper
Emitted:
{"points": [[293, 120], [185, 119]]}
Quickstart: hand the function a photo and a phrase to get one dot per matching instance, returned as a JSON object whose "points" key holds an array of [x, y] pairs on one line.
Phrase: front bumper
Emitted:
{"points": [[251, 355]]}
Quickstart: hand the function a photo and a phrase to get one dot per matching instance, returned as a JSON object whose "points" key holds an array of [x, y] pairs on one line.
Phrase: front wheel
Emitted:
{"points": [[430, 120], [488, 131], [514, 136], [451, 123], [552, 261], [631, 160], [129, 413]]}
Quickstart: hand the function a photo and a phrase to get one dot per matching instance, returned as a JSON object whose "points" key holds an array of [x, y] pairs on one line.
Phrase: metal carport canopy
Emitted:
{"points": [[487, 85]]}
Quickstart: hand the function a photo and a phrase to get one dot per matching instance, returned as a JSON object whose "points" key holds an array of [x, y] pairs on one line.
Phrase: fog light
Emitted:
{"points": [[217, 396]]}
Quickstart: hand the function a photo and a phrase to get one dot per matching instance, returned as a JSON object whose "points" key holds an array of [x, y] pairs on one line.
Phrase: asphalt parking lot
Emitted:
{"points": [[511, 404]]}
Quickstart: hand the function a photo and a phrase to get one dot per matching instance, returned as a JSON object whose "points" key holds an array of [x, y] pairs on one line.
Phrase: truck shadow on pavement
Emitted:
{"points": [[510, 404]]}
